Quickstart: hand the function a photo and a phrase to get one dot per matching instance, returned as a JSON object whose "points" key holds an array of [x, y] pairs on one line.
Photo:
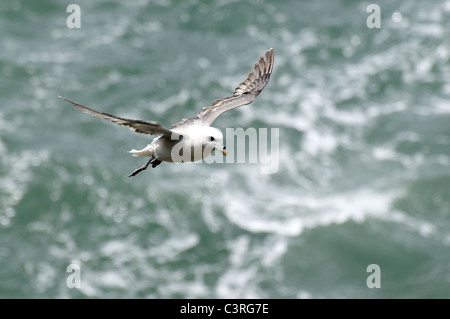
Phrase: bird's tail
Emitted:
{"points": [[143, 152]]}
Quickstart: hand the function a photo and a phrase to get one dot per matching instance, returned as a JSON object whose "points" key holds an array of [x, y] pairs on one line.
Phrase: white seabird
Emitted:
{"points": [[192, 139]]}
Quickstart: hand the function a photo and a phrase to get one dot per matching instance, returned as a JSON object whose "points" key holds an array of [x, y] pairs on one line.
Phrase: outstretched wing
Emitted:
{"points": [[139, 126], [244, 94]]}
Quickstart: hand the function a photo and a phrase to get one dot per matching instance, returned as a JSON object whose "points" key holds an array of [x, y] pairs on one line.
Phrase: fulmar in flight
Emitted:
{"points": [[192, 139]]}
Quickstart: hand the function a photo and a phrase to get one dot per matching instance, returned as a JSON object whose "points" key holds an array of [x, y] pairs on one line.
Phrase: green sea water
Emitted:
{"points": [[364, 145]]}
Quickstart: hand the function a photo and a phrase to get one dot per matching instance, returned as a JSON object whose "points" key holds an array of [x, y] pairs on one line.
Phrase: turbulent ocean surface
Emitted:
{"points": [[364, 150]]}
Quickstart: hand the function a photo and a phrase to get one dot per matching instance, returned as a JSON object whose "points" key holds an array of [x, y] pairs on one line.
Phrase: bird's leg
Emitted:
{"points": [[156, 163], [143, 167]]}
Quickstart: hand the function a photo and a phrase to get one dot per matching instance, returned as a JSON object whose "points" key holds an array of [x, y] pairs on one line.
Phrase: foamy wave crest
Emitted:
{"points": [[291, 214]]}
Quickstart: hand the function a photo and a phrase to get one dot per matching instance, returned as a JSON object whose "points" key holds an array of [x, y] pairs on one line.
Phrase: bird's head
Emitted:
{"points": [[213, 139]]}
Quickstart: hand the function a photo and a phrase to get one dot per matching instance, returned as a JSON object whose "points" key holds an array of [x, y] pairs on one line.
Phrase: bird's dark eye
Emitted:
{"points": [[211, 138]]}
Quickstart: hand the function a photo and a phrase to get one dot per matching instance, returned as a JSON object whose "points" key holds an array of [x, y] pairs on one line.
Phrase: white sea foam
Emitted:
{"points": [[312, 210], [171, 248]]}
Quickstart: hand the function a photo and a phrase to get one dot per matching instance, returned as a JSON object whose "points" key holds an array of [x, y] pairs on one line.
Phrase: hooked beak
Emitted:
{"points": [[222, 148]]}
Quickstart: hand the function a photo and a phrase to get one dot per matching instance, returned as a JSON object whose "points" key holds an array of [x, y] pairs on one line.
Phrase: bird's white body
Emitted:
{"points": [[189, 143]]}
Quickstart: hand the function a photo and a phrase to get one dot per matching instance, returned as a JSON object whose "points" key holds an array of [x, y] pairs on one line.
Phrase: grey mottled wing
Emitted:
{"points": [[244, 94], [139, 126]]}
